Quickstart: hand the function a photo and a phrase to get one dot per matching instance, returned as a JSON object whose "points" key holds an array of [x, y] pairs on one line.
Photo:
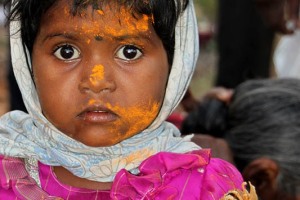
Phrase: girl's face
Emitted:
{"points": [[100, 75]]}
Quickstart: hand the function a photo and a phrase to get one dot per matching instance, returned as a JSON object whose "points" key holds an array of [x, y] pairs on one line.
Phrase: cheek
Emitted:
{"points": [[42, 86], [54, 93], [162, 85], [143, 116], [136, 118], [50, 100], [163, 75]]}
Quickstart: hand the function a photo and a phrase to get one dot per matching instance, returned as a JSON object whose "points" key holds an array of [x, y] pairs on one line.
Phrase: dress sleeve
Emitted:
{"points": [[6, 191], [220, 178], [16, 183]]}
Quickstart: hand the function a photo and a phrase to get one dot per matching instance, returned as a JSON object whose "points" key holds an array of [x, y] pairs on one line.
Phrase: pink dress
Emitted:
{"points": [[165, 175]]}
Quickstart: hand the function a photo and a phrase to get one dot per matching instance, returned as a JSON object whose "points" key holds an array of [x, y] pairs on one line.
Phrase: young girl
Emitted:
{"points": [[98, 79]]}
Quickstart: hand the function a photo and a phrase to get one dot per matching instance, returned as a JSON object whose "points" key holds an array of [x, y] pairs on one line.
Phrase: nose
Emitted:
{"points": [[97, 79]]}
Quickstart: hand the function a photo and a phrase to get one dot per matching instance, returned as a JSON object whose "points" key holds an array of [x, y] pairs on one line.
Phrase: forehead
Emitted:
{"points": [[79, 7], [92, 19]]}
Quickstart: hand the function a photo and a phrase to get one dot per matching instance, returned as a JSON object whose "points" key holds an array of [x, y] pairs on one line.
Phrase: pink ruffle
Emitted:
{"points": [[176, 176], [165, 175]]}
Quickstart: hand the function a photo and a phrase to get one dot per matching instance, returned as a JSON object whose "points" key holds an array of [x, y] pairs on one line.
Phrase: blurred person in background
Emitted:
{"points": [[258, 130], [245, 39]]}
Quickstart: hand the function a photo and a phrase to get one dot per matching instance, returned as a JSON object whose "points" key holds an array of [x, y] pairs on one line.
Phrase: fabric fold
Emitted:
{"points": [[171, 175], [14, 176]]}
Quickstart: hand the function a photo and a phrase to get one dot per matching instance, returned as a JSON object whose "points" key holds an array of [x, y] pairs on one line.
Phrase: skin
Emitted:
{"points": [[89, 84]]}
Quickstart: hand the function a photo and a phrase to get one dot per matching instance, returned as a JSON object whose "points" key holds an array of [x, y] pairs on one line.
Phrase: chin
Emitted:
{"points": [[106, 142]]}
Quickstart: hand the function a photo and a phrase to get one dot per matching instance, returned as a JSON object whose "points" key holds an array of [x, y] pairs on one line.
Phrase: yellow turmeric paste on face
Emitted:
{"points": [[91, 102], [137, 117], [100, 12], [122, 16], [97, 74]]}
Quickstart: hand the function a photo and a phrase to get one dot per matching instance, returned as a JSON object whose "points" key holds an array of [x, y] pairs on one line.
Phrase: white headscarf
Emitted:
{"points": [[33, 136]]}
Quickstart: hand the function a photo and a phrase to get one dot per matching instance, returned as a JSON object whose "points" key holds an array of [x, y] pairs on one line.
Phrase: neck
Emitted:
{"points": [[66, 177]]}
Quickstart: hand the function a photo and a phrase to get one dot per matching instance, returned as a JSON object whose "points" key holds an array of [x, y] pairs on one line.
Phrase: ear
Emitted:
{"points": [[262, 173]]}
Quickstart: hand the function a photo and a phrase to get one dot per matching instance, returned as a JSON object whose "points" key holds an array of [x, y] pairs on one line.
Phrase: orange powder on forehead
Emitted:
{"points": [[130, 25], [143, 24], [100, 12], [133, 25], [97, 73]]}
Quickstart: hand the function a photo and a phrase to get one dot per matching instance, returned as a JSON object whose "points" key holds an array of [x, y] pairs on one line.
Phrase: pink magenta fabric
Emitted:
{"points": [[193, 175]]}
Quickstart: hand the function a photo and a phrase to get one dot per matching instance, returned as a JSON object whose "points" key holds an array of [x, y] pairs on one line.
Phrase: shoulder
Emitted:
{"points": [[15, 182], [193, 175], [7, 165], [219, 147]]}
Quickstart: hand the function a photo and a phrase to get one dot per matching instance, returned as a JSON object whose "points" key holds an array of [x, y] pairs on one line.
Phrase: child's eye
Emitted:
{"points": [[129, 52], [66, 52]]}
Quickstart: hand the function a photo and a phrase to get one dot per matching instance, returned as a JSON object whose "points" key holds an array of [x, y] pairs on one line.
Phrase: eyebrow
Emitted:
{"points": [[98, 37], [132, 36], [64, 35]]}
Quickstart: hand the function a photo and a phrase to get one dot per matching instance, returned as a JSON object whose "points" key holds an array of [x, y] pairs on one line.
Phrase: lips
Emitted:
{"points": [[97, 114]]}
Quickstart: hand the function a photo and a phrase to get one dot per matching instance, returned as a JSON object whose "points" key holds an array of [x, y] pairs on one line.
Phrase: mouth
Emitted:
{"points": [[97, 114]]}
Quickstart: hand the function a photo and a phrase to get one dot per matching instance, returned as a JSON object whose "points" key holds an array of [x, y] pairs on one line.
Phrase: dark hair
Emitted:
{"points": [[263, 120], [165, 15], [209, 117]]}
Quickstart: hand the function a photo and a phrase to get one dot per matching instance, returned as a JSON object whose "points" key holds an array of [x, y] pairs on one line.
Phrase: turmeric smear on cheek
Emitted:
{"points": [[97, 74], [136, 117]]}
